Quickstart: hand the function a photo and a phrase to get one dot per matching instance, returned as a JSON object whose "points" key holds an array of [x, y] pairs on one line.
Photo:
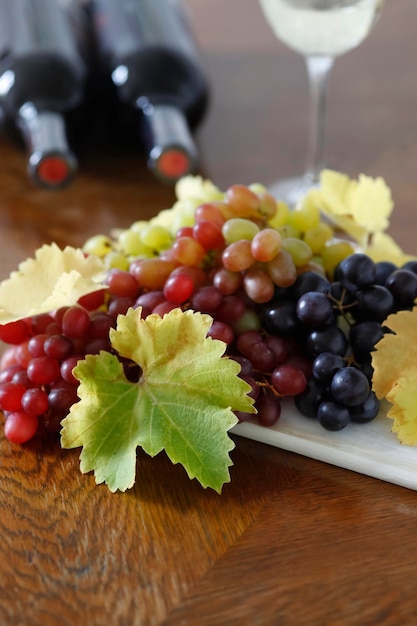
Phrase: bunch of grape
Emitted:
{"points": [[299, 311]]}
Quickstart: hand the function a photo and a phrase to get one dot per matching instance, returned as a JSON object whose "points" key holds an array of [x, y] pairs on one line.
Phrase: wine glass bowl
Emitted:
{"points": [[319, 30]]}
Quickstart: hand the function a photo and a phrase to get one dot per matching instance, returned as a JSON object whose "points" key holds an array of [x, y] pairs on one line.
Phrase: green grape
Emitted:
{"points": [[155, 237], [116, 260], [300, 252], [100, 245], [238, 228], [249, 320], [288, 230], [281, 216], [305, 217], [318, 236], [130, 243], [333, 253]]}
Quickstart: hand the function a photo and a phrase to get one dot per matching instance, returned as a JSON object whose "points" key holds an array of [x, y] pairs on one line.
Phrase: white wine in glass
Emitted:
{"points": [[320, 30]]}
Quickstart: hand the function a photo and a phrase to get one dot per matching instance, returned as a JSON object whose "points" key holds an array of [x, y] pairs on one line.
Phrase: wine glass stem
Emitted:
{"points": [[318, 69]]}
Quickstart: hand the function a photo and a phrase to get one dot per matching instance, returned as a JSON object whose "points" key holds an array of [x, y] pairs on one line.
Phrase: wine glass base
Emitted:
{"points": [[292, 190]]}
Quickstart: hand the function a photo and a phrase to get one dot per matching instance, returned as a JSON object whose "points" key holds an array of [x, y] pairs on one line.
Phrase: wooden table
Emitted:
{"points": [[291, 540]]}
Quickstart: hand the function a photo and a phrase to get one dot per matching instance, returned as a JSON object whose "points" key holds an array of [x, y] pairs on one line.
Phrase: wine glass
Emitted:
{"points": [[320, 30]]}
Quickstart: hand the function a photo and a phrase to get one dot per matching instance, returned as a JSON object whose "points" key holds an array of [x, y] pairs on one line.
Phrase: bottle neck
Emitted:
{"points": [[171, 149], [51, 163]]}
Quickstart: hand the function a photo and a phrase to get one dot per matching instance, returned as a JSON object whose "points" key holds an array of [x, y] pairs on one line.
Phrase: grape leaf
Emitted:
{"points": [[191, 191], [54, 278], [182, 402], [382, 247], [359, 207], [395, 373]]}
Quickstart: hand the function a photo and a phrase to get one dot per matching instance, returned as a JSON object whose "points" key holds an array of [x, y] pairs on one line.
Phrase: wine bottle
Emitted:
{"points": [[147, 49], [42, 79]]}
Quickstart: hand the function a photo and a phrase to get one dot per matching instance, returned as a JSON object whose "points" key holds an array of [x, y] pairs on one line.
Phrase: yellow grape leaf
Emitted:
{"points": [[403, 397], [370, 203], [395, 373], [359, 207], [54, 278], [383, 247]]}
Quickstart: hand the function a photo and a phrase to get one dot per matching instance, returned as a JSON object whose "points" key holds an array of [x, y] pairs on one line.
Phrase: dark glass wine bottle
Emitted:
{"points": [[42, 79], [147, 48]]}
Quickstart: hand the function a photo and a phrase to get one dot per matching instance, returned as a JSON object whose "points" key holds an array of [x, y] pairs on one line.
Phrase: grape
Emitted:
{"points": [[207, 299], [402, 283], [364, 336], [226, 281], [238, 256], [246, 368], [35, 401], [305, 217], [282, 269], [62, 397], [36, 344], [314, 309], [231, 308], [75, 322], [367, 410], [20, 427], [151, 273], [242, 202], [122, 283], [330, 339], [325, 366], [383, 270], [373, 303], [258, 285], [317, 237], [155, 237], [210, 212], [14, 332], [91, 301], [309, 281], [188, 251], [356, 272], [333, 253], [349, 386], [58, 347], [11, 396], [279, 347], [196, 274], [281, 318], [249, 320], [99, 245], [178, 289], [43, 370], [266, 244], [298, 249], [208, 235], [221, 331], [269, 410], [288, 380], [309, 400], [333, 416], [100, 324], [67, 367]]}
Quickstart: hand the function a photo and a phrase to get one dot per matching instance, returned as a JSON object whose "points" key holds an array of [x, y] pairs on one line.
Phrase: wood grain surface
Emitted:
{"points": [[291, 540]]}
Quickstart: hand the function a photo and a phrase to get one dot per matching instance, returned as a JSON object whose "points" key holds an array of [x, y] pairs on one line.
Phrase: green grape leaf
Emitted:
{"points": [[183, 402]]}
